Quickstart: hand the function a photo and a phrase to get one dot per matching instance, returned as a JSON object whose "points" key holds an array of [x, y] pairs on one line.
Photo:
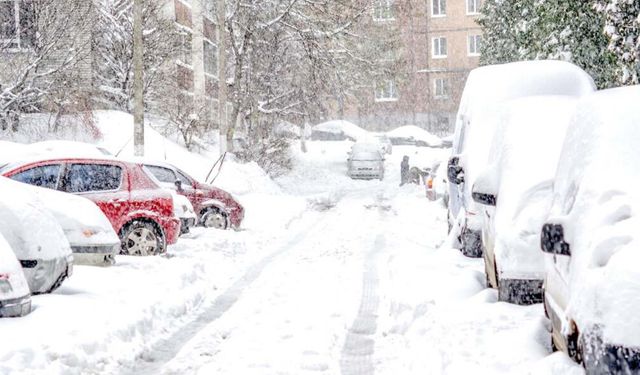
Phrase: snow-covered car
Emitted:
{"points": [[365, 161], [413, 136], [590, 237], [337, 130], [35, 236], [15, 297], [183, 210], [214, 207], [514, 193], [90, 234], [436, 182], [385, 143], [486, 89]]}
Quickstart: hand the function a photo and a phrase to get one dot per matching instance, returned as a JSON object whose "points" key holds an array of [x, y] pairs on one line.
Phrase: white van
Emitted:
{"points": [[591, 240], [487, 88], [514, 193]]}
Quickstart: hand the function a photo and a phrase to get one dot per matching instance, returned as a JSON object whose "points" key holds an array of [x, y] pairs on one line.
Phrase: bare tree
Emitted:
{"points": [[43, 44], [113, 50], [290, 59]]}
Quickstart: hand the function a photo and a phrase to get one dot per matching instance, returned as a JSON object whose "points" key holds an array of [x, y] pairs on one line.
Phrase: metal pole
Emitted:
{"points": [[138, 80], [222, 74]]}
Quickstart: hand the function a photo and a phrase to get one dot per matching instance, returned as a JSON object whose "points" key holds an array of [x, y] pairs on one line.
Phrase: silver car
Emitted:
{"points": [[365, 162]]}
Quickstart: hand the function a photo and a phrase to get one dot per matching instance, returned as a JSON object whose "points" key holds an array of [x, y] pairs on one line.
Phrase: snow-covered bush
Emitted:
{"points": [[271, 153]]}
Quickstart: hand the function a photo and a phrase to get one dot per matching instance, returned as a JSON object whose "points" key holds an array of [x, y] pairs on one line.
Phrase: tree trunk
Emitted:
{"points": [[138, 82]]}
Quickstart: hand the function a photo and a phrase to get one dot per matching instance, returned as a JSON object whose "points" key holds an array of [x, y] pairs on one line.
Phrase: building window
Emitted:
{"points": [[386, 91], [439, 47], [186, 48], [473, 6], [210, 57], [474, 43], [441, 88], [438, 8], [17, 24], [383, 10]]}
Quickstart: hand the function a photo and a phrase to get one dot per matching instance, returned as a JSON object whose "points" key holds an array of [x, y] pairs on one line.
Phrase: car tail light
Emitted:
{"points": [[4, 276], [430, 183]]}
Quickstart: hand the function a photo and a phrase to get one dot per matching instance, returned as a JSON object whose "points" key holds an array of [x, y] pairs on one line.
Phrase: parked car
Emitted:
{"points": [[590, 236], [183, 210], [514, 193], [141, 213], [15, 297], [385, 143], [365, 161], [215, 208], [487, 88], [92, 239], [36, 238]]}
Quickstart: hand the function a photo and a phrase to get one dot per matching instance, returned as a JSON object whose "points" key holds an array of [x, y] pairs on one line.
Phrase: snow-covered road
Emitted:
{"points": [[329, 276]]}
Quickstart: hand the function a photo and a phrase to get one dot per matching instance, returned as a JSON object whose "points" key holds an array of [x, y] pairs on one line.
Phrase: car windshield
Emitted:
{"points": [[364, 156]]}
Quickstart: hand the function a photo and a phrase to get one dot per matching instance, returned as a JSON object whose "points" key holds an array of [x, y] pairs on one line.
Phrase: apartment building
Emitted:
{"points": [[197, 65], [438, 45]]}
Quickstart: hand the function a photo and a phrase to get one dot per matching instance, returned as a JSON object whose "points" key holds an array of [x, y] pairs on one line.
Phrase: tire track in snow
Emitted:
{"points": [[357, 353], [154, 358]]}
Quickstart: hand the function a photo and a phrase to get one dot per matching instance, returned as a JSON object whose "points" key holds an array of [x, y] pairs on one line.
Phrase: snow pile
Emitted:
{"points": [[341, 127], [415, 133]]}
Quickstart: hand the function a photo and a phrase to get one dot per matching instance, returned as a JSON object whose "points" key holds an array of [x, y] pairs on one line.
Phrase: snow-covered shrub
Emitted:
{"points": [[272, 153]]}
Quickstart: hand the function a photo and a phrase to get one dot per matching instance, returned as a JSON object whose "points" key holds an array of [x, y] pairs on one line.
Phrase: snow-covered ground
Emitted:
{"points": [[328, 275]]}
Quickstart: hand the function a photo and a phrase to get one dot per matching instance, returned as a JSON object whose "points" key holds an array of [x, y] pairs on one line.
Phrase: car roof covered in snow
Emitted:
{"points": [[341, 126], [415, 132]]}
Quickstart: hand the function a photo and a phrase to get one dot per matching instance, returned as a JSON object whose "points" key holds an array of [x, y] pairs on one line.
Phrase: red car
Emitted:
{"points": [[215, 207], [139, 210]]}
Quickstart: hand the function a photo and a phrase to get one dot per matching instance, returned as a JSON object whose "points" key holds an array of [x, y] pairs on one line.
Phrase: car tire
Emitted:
{"points": [[142, 238], [215, 218], [58, 282]]}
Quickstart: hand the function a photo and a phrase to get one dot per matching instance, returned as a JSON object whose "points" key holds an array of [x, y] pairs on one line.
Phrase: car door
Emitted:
{"points": [[191, 190], [104, 184]]}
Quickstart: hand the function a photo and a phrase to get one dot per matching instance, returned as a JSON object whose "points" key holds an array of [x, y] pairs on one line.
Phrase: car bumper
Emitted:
{"points": [[43, 275], [171, 227], [603, 358], [186, 224], [365, 175], [521, 291], [236, 217], [14, 308], [95, 255]]}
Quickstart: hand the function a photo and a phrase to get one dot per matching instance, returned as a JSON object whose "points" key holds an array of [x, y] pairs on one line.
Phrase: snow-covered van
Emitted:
{"points": [[487, 88], [514, 193], [15, 298], [591, 238]]}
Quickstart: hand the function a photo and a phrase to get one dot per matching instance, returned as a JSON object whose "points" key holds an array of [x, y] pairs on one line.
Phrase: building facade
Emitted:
{"points": [[438, 42]]}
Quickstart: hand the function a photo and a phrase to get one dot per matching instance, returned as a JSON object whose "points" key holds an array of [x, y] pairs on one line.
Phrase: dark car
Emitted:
{"points": [[214, 207]]}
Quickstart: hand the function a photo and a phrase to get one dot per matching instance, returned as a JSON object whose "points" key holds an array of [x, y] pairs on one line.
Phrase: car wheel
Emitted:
{"points": [[214, 218], [142, 238]]}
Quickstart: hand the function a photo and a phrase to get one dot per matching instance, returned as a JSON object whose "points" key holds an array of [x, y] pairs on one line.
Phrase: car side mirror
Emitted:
{"points": [[178, 184], [552, 240], [484, 190], [455, 172]]}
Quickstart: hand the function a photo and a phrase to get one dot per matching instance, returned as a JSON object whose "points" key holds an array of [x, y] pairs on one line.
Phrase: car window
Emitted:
{"points": [[44, 176], [161, 173], [92, 177], [185, 180]]}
